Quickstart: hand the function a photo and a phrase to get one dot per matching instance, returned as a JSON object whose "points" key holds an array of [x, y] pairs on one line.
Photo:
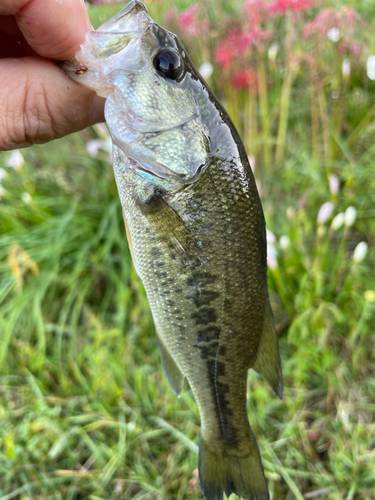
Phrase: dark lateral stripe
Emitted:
{"points": [[202, 297], [212, 332], [200, 277], [223, 412], [204, 316], [208, 351]]}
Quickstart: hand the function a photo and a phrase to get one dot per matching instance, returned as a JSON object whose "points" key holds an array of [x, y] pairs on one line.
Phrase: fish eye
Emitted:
{"points": [[168, 63]]}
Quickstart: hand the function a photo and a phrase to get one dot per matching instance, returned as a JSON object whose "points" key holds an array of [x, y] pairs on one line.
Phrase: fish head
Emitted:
{"points": [[148, 79]]}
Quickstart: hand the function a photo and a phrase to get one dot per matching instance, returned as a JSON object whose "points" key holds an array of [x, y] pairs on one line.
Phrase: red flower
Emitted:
{"points": [[188, 21], [240, 40], [187, 18], [223, 55], [281, 6], [245, 78], [237, 44]]}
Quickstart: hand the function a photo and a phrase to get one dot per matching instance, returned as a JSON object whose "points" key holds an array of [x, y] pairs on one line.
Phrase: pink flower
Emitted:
{"points": [[187, 18], [237, 43], [325, 212], [240, 40], [328, 19], [342, 24], [281, 6], [223, 55], [256, 11], [355, 49], [245, 78], [188, 21]]}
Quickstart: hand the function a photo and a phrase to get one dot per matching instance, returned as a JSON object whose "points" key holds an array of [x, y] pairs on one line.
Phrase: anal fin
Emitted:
{"points": [[267, 362], [172, 371]]}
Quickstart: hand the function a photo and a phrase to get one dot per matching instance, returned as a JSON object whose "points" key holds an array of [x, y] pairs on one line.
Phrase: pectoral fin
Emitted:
{"points": [[267, 362], [171, 369], [170, 225]]}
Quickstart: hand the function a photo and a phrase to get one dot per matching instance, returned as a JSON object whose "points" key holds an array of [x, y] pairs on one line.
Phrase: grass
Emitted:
{"points": [[85, 410]]}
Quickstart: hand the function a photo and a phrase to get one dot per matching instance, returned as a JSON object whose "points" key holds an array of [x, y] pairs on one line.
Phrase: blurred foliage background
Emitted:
{"points": [[85, 411]]}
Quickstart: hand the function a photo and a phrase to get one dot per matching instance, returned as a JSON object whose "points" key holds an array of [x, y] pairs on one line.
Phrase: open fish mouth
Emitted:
{"points": [[115, 46], [151, 109]]}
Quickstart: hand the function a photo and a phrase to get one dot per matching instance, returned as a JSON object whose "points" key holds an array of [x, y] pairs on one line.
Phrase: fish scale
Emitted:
{"points": [[196, 231]]}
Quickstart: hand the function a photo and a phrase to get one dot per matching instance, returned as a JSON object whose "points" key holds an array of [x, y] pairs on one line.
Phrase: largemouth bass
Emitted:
{"points": [[196, 230]]}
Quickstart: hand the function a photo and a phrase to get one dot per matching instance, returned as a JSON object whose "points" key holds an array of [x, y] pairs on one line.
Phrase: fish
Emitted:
{"points": [[196, 231]]}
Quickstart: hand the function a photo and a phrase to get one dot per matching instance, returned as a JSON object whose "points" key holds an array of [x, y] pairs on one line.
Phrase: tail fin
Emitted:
{"points": [[223, 471]]}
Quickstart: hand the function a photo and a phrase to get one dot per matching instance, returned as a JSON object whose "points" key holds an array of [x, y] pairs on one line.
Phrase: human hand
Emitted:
{"points": [[39, 102]]}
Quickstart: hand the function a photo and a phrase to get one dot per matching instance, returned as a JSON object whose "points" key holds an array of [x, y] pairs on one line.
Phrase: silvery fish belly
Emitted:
{"points": [[197, 233]]}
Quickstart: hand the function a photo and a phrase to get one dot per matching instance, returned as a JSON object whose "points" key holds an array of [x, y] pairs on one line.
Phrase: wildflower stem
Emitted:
{"points": [[361, 324], [337, 109], [264, 116], [364, 123], [233, 108], [219, 15], [291, 72], [314, 114], [252, 122], [291, 68], [324, 117]]}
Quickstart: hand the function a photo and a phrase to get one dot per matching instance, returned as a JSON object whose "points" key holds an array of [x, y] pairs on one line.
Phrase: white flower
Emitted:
{"points": [[338, 221], [15, 160], [94, 146], [272, 257], [130, 426], [350, 216], [272, 262], [273, 51], [360, 252], [370, 67], [271, 238], [325, 212], [251, 159], [346, 68], [26, 198], [206, 70], [333, 34], [3, 173], [334, 184], [284, 242]]}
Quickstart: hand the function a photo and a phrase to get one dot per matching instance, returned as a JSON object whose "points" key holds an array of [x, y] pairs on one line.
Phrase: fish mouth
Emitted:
{"points": [[133, 17], [115, 45]]}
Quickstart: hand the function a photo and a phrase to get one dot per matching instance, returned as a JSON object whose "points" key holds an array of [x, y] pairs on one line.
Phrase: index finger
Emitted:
{"points": [[53, 28]]}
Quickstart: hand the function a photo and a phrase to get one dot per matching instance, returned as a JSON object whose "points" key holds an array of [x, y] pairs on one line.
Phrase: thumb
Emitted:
{"points": [[40, 103]]}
